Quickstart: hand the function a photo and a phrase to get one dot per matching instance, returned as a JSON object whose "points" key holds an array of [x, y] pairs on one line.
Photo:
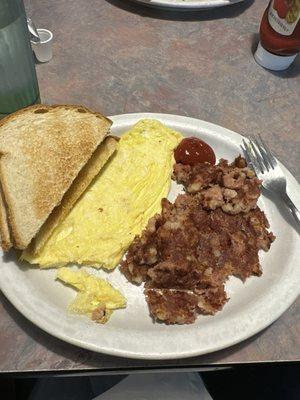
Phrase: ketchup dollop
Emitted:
{"points": [[192, 151]]}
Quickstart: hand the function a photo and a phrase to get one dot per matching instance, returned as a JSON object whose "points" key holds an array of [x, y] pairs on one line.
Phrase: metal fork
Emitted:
{"points": [[269, 171]]}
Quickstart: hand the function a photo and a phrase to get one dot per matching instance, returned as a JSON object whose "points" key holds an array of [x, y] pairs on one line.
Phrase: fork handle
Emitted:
{"points": [[294, 210]]}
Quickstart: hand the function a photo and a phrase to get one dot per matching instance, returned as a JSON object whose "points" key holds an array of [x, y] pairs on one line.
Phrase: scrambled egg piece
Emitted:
{"points": [[96, 298], [118, 204]]}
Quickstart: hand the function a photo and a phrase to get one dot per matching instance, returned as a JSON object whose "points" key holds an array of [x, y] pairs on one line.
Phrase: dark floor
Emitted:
{"points": [[255, 383], [241, 383]]}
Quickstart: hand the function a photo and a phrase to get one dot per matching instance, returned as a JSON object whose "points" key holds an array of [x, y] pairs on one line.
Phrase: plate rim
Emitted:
{"points": [[187, 5], [130, 118]]}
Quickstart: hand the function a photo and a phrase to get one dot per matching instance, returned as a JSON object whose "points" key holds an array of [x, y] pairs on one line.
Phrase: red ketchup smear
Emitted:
{"points": [[193, 151]]}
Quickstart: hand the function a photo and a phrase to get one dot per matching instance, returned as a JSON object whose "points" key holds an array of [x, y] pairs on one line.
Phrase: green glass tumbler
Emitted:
{"points": [[18, 82]]}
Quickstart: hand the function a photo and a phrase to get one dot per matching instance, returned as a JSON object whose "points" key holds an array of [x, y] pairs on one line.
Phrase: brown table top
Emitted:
{"points": [[118, 57]]}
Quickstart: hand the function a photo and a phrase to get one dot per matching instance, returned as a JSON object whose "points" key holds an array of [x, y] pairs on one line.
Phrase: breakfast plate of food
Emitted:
{"points": [[140, 235], [187, 4]]}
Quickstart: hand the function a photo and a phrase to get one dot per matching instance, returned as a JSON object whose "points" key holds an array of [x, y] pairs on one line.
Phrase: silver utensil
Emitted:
{"points": [[34, 35], [268, 170]]}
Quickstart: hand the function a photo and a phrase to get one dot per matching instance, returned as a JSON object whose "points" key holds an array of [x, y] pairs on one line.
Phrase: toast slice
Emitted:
{"points": [[42, 150], [78, 187]]}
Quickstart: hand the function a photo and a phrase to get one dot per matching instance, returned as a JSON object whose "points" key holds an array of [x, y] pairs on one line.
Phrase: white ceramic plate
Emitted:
{"points": [[187, 4], [131, 332]]}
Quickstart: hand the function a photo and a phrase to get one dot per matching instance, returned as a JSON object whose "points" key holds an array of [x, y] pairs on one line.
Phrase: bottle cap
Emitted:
{"points": [[272, 61], [43, 48]]}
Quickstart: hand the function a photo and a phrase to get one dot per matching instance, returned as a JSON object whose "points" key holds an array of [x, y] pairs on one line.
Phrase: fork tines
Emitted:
{"points": [[258, 155]]}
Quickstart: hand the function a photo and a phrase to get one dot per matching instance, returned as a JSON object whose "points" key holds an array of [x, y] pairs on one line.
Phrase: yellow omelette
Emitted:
{"points": [[96, 298]]}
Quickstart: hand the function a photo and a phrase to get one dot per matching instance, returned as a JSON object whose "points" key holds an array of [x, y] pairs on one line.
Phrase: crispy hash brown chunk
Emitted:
{"points": [[186, 253], [172, 306], [232, 187]]}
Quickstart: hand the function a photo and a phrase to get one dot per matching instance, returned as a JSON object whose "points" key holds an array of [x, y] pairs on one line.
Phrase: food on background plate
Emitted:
{"points": [[118, 203], [96, 298], [43, 148], [186, 253]]}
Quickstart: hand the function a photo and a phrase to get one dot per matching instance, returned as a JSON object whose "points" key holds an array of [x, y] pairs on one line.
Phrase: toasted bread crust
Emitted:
{"points": [[12, 116], [6, 243], [52, 144]]}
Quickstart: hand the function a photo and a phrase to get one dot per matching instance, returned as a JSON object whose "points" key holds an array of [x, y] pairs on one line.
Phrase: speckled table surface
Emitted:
{"points": [[118, 57]]}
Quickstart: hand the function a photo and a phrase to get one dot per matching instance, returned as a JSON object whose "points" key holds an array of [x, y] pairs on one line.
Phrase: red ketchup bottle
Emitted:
{"points": [[279, 35]]}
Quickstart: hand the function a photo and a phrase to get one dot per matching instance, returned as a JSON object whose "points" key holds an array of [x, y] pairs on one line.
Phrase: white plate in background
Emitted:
{"points": [[131, 332], [187, 4]]}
